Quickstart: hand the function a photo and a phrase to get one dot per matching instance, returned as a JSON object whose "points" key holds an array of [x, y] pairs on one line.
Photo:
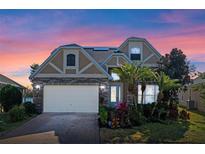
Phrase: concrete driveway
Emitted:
{"points": [[79, 128]]}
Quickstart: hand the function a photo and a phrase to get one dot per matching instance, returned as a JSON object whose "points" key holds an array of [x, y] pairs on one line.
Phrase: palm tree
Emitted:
{"points": [[146, 75], [165, 84], [129, 74]]}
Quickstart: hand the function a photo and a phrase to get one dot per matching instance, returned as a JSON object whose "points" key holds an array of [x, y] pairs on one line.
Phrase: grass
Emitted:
{"points": [[192, 131], [6, 124]]}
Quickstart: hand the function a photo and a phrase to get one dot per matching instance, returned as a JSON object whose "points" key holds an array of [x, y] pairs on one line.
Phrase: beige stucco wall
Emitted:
{"points": [[49, 70], [146, 51], [125, 49], [153, 60], [121, 61], [112, 61], [83, 61], [58, 60], [92, 70]]}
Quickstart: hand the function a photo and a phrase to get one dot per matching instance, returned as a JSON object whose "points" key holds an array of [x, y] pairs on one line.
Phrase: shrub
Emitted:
{"points": [[173, 111], [9, 97], [147, 110], [30, 108], [122, 106], [122, 116], [103, 116], [184, 115], [17, 113], [136, 117]]}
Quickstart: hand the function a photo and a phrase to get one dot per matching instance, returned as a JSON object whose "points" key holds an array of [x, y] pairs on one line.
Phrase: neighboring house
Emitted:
{"points": [[73, 77], [191, 98], [7, 81]]}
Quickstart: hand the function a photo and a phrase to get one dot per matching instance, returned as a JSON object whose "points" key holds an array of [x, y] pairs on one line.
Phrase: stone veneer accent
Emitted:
{"points": [[38, 93]]}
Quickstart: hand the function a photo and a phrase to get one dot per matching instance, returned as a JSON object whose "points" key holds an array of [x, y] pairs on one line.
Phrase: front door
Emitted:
{"points": [[115, 93]]}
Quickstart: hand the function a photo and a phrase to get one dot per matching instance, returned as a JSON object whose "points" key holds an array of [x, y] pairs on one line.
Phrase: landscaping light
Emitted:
{"points": [[102, 87], [38, 87]]}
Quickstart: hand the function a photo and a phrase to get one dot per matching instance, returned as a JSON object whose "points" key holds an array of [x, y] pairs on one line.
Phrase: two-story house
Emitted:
{"points": [[73, 77]]}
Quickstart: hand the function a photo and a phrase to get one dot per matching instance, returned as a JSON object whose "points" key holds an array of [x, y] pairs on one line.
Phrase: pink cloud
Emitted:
{"points": [[20, 53]]}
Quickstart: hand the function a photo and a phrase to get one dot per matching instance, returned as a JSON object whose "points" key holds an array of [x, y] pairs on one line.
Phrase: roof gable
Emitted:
{"points": [[137, 39], [5, 80], [114, 57], [46, 63]]}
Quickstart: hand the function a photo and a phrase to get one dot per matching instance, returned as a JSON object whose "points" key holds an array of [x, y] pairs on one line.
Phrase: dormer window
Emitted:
{"points": [[135, 54], [70, 60]]}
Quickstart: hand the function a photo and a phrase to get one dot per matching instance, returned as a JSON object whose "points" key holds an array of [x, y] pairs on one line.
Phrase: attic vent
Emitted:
{"points": [[101, 49]]}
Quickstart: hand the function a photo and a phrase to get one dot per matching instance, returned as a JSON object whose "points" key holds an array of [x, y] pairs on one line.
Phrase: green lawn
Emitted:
{"points": [[6, 125], [192, 131]]}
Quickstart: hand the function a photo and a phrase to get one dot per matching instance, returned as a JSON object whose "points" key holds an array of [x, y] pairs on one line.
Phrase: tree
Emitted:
{"points": [[176, 66], [9, 97], [146, 75], [129, 74], [166, 86], [34, 67]]}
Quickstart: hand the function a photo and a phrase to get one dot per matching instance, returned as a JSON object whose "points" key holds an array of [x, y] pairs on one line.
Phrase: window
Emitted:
{"points": [[70, 60], [115, 94], [115, 76], [150, 94], [135, 54]]}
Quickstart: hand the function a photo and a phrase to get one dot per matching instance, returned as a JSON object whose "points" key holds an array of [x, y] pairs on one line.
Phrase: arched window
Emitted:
{"points": [[70, 60], [135, 54]]}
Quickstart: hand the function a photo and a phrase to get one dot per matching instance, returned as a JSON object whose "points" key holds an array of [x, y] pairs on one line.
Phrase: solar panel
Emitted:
{"points": [[101, 49]]}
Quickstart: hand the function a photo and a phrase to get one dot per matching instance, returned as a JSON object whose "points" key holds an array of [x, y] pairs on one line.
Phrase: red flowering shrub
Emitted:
{"points": [[122, 106], [122, 114]]}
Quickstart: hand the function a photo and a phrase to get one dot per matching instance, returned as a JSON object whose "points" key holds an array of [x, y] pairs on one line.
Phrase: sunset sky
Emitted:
{"points": [[29, 36]]}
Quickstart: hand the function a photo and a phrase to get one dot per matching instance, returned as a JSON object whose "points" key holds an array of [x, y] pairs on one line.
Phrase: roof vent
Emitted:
{"points": [[101, 49]]}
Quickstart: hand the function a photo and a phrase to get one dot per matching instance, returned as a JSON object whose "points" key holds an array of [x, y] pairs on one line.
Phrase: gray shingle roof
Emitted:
{"points": [[100, 55]]}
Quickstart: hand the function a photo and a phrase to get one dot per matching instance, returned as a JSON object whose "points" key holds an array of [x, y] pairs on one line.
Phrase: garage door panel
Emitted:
{"points": [[71, 99]]}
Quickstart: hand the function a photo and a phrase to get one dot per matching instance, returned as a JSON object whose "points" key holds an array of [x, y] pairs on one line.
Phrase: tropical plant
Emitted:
{"points": [[136, 118], [166, 85], [103, 116], [146, 75], [10, 96], [129, 74]]}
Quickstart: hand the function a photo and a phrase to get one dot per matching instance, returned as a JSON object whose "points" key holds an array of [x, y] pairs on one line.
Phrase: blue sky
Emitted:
{"points": [[28, 36]]}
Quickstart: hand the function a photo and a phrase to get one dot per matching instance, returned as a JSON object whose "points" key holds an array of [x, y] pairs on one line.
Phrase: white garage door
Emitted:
{"points": [[71, 98]]}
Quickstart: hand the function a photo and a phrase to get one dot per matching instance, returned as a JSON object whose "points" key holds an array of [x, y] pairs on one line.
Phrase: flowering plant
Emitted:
{"points": [[122, 106]]}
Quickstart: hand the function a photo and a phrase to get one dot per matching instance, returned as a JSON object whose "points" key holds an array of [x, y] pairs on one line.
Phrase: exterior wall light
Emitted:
{"points": [[38, 87], [102, 87]]}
